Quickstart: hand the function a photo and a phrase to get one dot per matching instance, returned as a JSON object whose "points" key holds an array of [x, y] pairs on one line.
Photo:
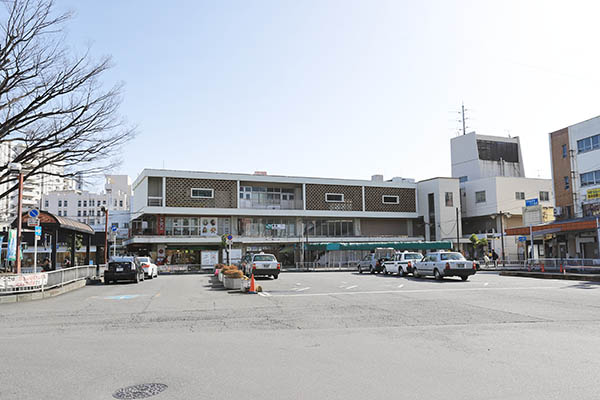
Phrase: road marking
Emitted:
{"points": [[400, 286], [412, 291], [303, 289], [264, 294], [351, 287], [122, 297], [485, 284], [298, 284]]}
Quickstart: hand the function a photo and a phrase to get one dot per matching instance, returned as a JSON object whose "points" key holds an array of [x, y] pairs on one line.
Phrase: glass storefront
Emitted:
{"points": [[330, 228], [182, 256], [196, 226], [267, 227]]}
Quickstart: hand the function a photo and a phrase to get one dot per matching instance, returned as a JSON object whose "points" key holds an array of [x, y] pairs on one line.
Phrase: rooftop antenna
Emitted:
{"points": [[463, 120]]}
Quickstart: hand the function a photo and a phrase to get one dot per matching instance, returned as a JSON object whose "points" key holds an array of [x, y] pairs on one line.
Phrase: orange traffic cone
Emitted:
{"points": [[252, 288]]}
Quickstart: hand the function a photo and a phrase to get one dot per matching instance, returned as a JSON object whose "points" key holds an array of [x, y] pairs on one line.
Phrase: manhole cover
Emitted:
{"points": [[139, 391]]}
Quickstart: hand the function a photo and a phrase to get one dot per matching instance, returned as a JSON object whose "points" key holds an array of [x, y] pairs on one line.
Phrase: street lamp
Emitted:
{"points": [[16, 167], [501, 215], [105, 212]]}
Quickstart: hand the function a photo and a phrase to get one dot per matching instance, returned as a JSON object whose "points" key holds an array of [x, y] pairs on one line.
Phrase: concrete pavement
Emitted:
{"points": [[310, 335]]}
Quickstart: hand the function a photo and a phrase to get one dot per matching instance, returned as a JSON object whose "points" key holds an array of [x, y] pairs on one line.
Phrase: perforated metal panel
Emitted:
{"points": [[179, 193], [373, 199], [315, 197]]}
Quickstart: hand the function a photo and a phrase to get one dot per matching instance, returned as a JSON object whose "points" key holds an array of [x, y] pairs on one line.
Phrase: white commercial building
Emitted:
{"points": [[439, 200], [494, 188]]}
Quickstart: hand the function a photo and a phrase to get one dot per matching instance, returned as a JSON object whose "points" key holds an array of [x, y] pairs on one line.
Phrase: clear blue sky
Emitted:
{"points": [[340, 88]]}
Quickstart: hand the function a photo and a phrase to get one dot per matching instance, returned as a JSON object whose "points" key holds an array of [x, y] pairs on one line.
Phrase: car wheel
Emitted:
{"points": [[106, 282], [437, 275], [415, 273], [401, 272], [275, 276], [464, 278], [359, 270]]}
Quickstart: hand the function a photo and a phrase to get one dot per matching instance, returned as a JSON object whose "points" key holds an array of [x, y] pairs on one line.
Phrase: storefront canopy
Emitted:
{"points": [[375, 245]]}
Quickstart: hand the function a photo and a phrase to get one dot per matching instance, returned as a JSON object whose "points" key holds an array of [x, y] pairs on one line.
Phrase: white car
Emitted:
{"points": [[402, 263], [440, 264], [261, 264], [150, 269]]}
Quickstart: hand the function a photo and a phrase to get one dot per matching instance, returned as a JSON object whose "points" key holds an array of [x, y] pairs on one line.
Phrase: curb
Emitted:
{"points": [[550, 275], [19, 298]]}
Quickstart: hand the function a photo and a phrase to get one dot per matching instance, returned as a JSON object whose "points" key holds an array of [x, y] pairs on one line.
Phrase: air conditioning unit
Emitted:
{"points": [[557, 211]]}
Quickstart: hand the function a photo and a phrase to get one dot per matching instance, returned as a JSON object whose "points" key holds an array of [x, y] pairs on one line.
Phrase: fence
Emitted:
{"points": [[12, 284], [326, 266], [560, 265]]}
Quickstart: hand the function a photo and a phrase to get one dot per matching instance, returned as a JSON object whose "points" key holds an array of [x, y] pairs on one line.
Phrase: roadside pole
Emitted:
{"points": [[531, 242], [38, 233], [229, 239], [598, 232]]}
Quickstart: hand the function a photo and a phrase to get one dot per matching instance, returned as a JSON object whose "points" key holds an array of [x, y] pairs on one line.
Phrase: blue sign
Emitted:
{"points": [[522, 238], [33, 213], [114, 228], [229, 237], [531, 202], [38, 231]]}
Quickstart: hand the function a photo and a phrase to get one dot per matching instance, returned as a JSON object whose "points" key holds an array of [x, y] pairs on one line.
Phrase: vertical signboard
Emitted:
{"points": [[12, 245], [160, 226]]}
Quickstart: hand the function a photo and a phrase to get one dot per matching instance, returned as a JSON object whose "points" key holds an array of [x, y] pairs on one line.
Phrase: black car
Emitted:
{"points": [[123, 269]]}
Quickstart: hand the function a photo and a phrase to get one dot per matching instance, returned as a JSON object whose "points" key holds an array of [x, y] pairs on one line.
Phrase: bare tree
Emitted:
{"points": [[53, 108]]}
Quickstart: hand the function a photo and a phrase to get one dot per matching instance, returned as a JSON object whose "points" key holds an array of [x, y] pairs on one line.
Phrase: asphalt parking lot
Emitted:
{"points": [[336, 335]]}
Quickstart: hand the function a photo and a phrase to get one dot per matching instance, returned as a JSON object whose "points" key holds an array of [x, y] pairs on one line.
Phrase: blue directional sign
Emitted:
{"points": [[531, 202], [33, 213], [38, 231], [114, 228], [522, 238]]}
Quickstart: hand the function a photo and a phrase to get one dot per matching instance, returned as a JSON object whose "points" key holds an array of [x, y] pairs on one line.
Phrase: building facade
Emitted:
{"points": [[494, 189], [180, 216], [575, 155], [439, 201]]}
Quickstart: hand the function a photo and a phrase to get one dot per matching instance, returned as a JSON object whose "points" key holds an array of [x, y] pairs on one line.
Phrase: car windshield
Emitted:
{"points": [[413, 256], [264, 257], [451, 256], [144, 259]]}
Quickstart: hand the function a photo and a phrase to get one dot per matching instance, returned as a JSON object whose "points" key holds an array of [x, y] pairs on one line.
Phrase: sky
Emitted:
{"points": [[342, 89]]}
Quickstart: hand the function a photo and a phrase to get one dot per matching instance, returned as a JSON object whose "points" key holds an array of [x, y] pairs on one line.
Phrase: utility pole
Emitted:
{"points": [[598, 232], [502, 237], [457, 232]]}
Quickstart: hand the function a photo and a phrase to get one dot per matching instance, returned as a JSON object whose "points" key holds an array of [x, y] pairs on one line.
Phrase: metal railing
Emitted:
{"points": [[25, 283], [560, 265], [326, 266]]}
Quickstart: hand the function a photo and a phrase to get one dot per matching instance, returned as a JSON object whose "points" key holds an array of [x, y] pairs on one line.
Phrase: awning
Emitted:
{"points": [[581, 224], [375, 245]]}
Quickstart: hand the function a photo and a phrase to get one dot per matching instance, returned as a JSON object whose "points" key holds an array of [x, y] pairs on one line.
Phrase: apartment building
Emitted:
{"points": [[493, 188], [180, 216]]}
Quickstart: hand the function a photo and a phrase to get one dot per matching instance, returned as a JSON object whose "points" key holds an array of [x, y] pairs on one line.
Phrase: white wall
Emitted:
{"points": [[140, 197], [584, 162], [445, 216]]}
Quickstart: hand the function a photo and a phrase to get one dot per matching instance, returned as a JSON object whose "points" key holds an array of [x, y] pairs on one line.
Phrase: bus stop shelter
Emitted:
{"points": [[60, 229]]}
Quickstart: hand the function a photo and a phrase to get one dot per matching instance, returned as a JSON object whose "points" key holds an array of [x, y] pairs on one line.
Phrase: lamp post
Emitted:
{"points": [[105, 211], [16, 167], [501, 214]]}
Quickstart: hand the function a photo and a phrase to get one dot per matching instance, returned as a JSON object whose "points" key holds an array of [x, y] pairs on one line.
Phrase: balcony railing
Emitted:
{"points": [[154, 201]]}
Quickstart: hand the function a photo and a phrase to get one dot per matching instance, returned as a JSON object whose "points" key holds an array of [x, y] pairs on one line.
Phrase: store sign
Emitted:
{"points": [[531, 202], [275, 227], [209, 257], [208, 226], [160, 226], [12, 245], [593, 194]]}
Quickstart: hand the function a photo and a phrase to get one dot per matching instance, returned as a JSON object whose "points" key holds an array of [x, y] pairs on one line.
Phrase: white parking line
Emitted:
{"points": [[485, 284], [303, 289], [351, 287], [400, 286], [412, 291], [264, 294]]}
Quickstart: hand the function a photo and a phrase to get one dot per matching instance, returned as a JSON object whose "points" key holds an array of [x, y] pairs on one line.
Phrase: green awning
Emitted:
{"points": [[375, 245]]}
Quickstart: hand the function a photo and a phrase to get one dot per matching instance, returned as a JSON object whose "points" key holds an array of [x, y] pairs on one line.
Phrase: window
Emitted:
{"points": [[91, 213], [65, 203], [60, 203], [78, 203], [115, 202], [520, 195], [564, 151], [588, 144], [544, 196], [590, 178], [203, 193], [480, 197], [103, 201], [566, 183], [463, 179], [449, 199], [85, 203], [334, 197], [385, 199], [46, 203], [84, 213], [92, 203], [59, 213], [120, 203], [64, 213], [79, 213]]}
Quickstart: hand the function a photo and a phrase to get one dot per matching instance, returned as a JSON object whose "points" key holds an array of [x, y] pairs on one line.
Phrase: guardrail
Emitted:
{"points": [[560, 265], [326, 266], [24, 283]]}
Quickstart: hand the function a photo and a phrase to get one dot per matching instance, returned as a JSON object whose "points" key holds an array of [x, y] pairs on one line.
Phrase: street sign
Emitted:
{"points": [[522, 238], [531, 202], [229, 239], [114, 228], [33, 221], [38, 231], [34, 213]]}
